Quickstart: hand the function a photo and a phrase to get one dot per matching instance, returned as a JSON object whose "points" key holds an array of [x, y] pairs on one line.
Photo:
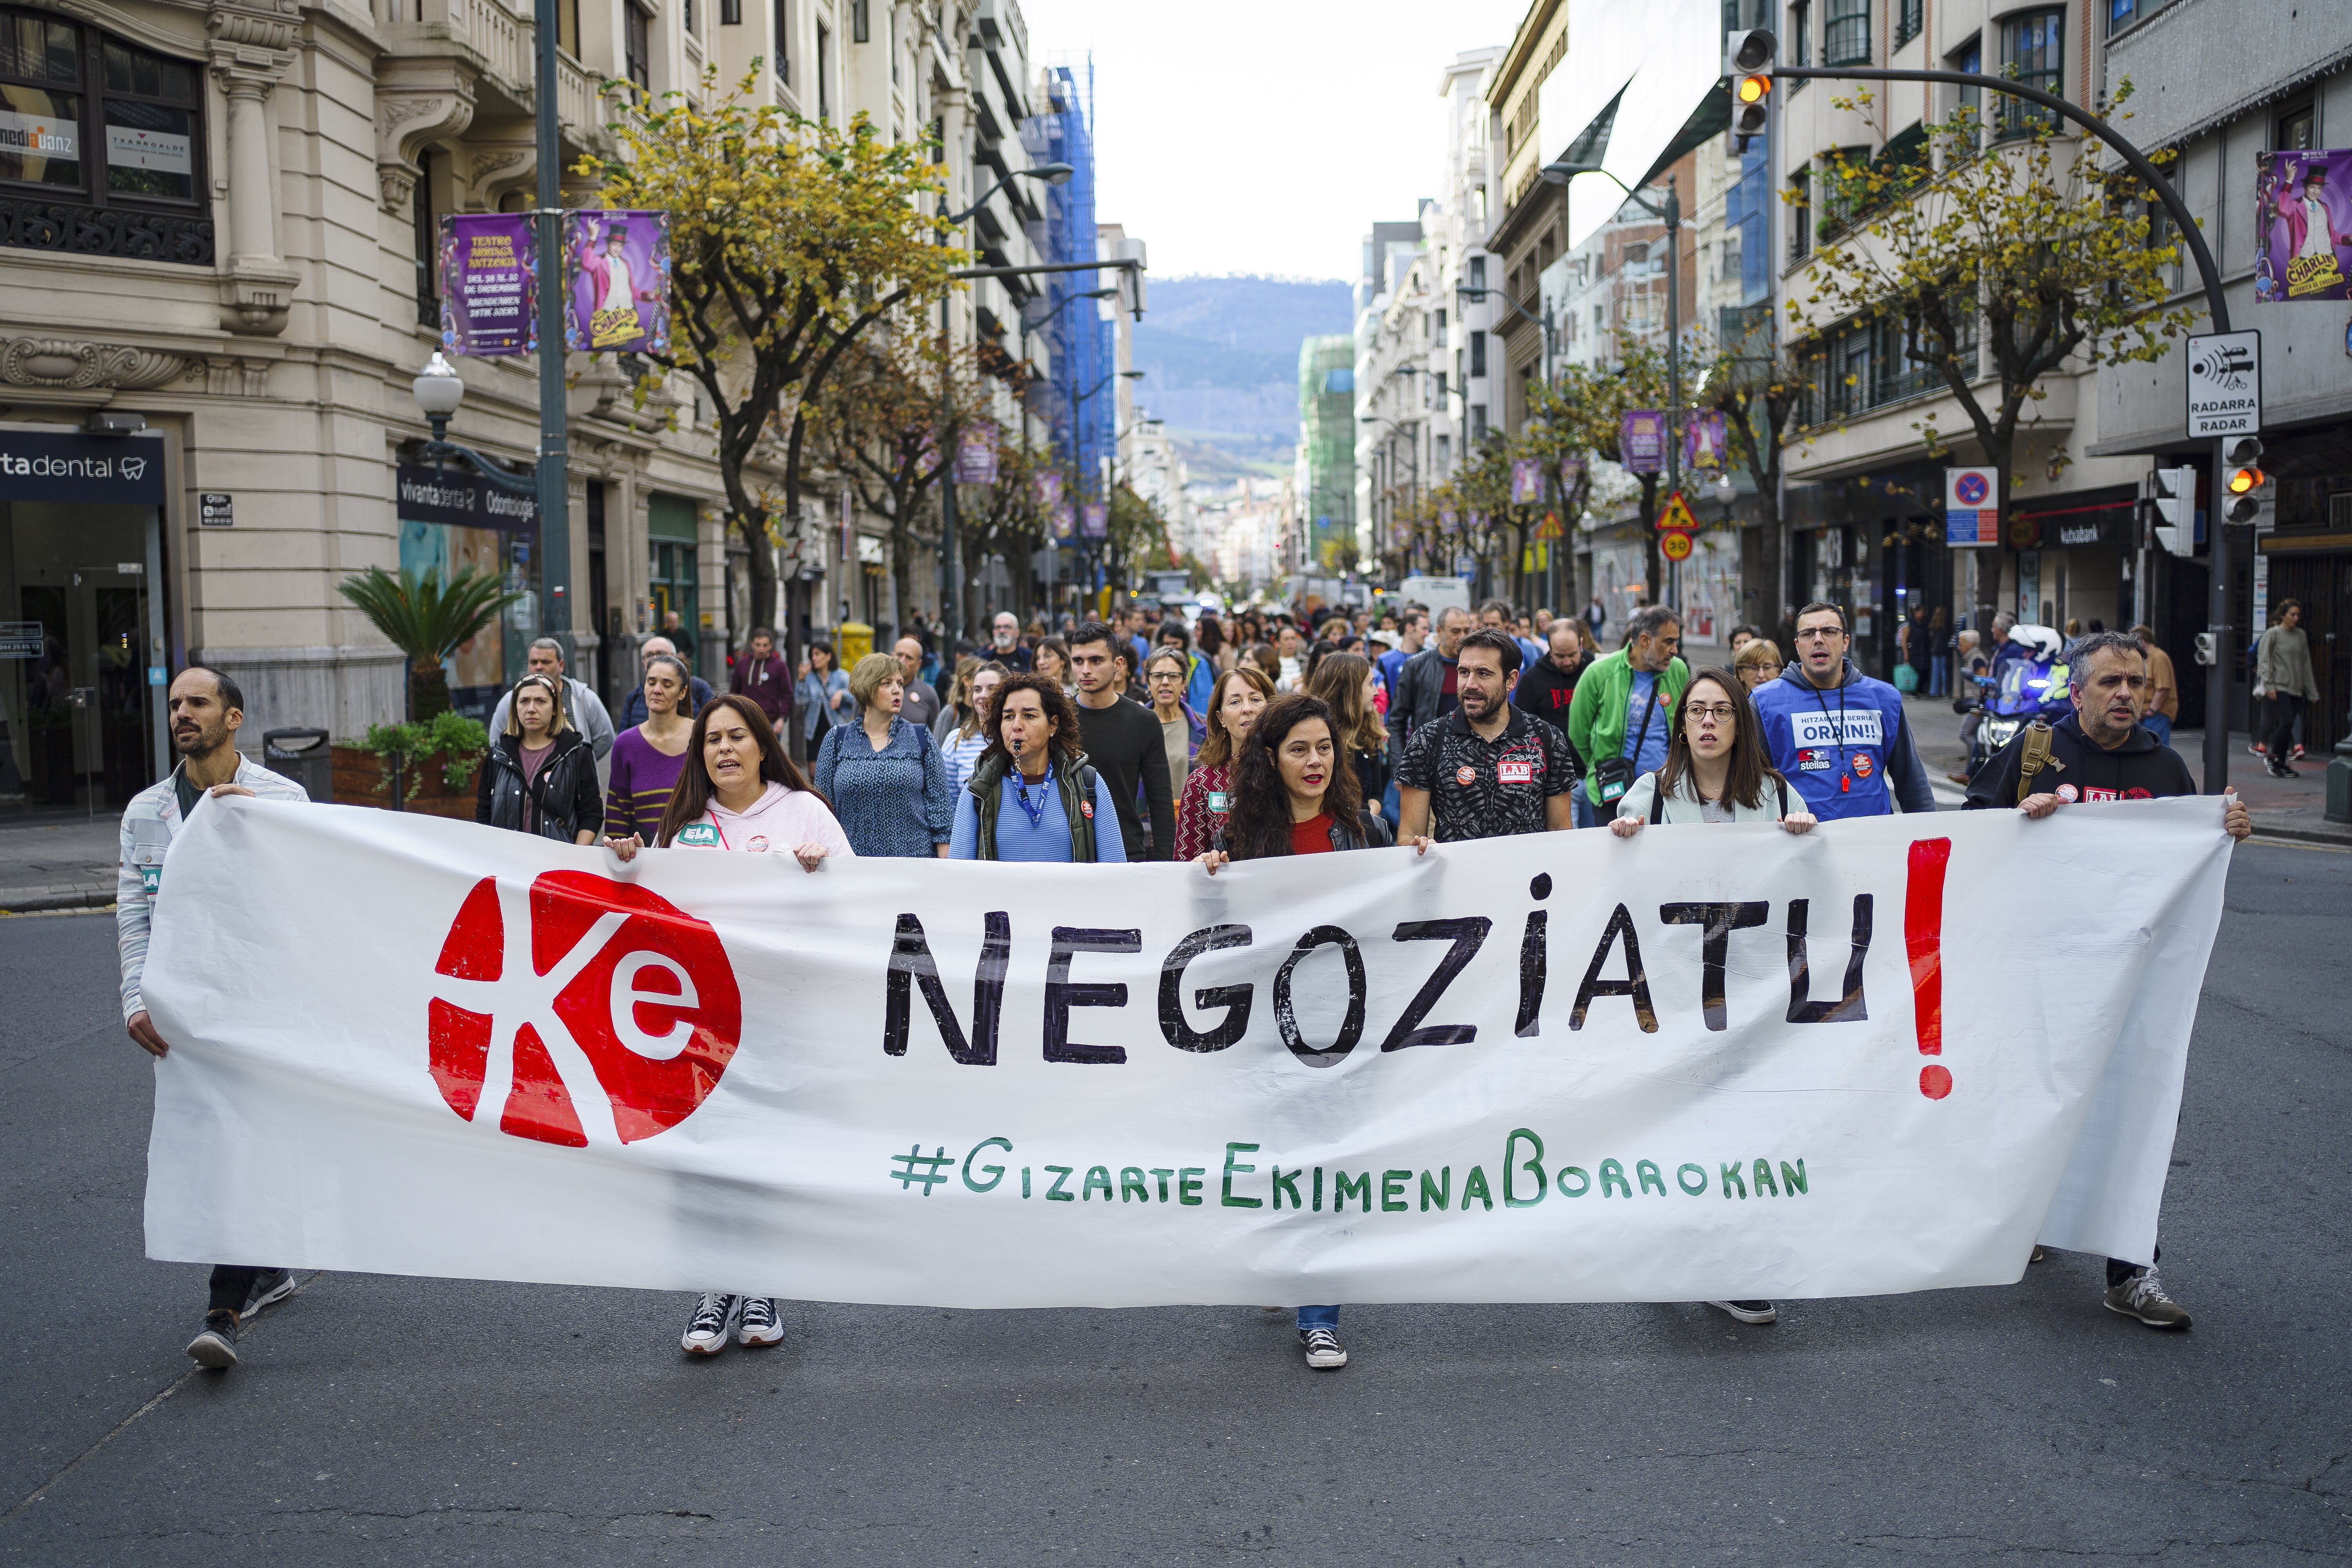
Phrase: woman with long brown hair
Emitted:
{"points": [[1346, 682], [1715, 769], [739, 791], [1240, 695]]}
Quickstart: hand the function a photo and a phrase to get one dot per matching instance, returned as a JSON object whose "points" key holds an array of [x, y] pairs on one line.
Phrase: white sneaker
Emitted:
{"points": [[706, 1331], [760, 1325], [1748, 1312], [1324, 1351]]}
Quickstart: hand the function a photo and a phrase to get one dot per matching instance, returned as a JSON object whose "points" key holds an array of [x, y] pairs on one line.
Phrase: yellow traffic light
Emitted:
{"points": [[1752, 89], [2246, 480]]}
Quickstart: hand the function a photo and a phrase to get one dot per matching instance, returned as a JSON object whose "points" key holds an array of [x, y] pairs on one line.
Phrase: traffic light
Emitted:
{"points": [[2176, 510], [2205, 647], [1747, 65], [2243, 478]]}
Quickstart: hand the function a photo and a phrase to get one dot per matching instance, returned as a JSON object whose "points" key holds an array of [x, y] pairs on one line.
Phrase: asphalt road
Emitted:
{"points": [[380, 1420]]}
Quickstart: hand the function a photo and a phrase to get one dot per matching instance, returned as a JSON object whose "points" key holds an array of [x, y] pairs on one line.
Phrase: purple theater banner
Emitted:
{"points": [[1526, 481], [489, 288], [1097, 520], [618, 265], [976, 455], [1642, 440], [2303, 226], [1706, 440]]}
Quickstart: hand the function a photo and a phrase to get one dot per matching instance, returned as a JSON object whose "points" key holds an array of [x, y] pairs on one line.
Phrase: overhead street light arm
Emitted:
{"points": [[1052, 173]]}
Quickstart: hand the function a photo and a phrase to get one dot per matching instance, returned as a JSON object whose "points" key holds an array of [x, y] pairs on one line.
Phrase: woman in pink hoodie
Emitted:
{"points": [[738, 791]]}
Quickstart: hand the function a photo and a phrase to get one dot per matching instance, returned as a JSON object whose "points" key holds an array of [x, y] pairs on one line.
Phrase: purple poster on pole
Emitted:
{"points": [[618, 267], [489, 295], [1703, 440], [1049, 492], [976, 455], [2303, 226], [1097, 518], [1066, 521], [1642, 440], [1526, 481]]}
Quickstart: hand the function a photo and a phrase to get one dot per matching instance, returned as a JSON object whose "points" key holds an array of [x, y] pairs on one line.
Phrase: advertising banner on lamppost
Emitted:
{"points": [[1703, 440], [1642, 440], [976, 455], [1571, 470], [1526, 481], [1097, 520], [617, 266], [489, 283], [2303, 226]]}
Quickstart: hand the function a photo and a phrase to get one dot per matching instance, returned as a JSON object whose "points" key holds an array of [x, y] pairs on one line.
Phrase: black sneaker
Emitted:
{"points": [[1324, 1351], [706, 1331], [2279, 770], [1748, 1312], [268, 1292], [215, 1346]]}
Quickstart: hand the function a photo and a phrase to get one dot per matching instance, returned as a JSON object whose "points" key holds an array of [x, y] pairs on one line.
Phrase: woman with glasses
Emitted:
{"points": [[1180, 729]]}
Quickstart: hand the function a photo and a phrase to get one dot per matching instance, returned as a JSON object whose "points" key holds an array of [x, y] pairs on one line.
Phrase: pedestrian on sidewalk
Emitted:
{"points": [[539, 776], [1032, 795], [2163, 687], [825, 704], [762, 675], [883, 775], [1122, 740], [740, 792], [1852, 758], [921, 703], [2283, 673], [582, 706], [1294, 794], [2101, 753], [647, 759], [1240, 695], [206, 710], [1486, 770]]}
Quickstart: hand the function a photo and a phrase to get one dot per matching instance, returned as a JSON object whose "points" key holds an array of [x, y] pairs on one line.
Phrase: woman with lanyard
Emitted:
{"points": [[1240, 695], [884, 775], [1293, 793], [1347, 683], [740, 792], [963, 745], [1714, 770], [1031, 796], [647, 759], [823, 695], [541, 775]]}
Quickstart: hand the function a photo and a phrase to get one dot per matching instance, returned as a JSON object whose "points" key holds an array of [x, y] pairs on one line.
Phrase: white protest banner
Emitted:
{"points": [[1709, 1062]]}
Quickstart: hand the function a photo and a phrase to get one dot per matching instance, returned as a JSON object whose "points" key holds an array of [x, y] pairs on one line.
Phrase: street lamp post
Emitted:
{"points": [[439, 391], [1077, 397], [1413, 453], [554, 478], [1053, 545]]}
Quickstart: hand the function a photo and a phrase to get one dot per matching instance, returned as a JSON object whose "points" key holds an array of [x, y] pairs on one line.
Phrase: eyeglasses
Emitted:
{"points": [[1718, 711], [1819, 634]]}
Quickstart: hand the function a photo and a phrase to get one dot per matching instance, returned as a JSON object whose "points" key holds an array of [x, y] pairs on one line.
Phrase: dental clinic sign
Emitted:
{"points": [[68, 466]]}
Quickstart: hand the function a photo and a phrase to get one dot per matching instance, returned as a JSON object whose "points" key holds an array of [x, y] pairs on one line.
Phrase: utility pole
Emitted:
{"points": [[554, 307]]}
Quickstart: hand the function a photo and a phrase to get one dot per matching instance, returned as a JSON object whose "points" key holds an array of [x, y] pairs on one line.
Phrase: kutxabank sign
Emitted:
{"points": [[1710, 1062]]}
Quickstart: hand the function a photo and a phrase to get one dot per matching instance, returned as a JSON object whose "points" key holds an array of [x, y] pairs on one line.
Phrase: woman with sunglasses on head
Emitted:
{"points": [[541, 775], [738, 791], [1714, 770], [1295, 794]]}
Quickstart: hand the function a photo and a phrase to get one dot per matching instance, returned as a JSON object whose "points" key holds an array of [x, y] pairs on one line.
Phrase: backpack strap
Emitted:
{"points": [[2034, 757], [1657, 800], [1780, 787]]}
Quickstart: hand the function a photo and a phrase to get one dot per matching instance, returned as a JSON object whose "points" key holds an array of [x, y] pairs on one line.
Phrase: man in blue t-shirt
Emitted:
{"points": [[1413, 631], [1838, 735]]}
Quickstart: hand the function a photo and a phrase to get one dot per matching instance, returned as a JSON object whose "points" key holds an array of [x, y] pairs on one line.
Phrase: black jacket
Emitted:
{"points": [[565, 793], [2140, 769], [1371, 832], [1545, 692], [1420, 691]]}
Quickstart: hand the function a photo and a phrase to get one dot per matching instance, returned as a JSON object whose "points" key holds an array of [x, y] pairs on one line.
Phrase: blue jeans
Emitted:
{"points": [[2157, 725], [1317, 1318]]}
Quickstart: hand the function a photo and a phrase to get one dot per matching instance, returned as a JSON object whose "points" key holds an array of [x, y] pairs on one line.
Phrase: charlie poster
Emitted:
{"points": [[2302, 236], [619, 263]]}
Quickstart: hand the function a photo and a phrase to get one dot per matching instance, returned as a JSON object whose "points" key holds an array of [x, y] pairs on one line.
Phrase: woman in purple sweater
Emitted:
{"points": [[647, 759]]}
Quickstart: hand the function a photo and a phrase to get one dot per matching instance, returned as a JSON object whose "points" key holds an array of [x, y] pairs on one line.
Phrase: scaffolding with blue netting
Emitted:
{"points": [[1079, 404]]}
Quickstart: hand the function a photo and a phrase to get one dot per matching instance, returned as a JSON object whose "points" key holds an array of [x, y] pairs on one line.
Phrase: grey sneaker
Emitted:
{"points": [[268, 1292], [215, 1345], [1324, 1351], [2142, 1296], [1748, 1312]]}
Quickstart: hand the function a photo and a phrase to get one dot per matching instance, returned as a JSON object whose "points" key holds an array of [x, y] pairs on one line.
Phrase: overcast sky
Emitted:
{"points": [[1324, 115]]}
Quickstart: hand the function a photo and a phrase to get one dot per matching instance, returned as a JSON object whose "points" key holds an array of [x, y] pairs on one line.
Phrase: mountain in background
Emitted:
{"points": [[1221, 363]]}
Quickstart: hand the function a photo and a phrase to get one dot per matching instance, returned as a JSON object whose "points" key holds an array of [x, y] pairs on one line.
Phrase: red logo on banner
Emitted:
{"points": [[612, 992]]}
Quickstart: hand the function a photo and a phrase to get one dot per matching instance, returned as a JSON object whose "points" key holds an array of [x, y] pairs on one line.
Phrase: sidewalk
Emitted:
{"points": [[57, 863], [2292, 809]]}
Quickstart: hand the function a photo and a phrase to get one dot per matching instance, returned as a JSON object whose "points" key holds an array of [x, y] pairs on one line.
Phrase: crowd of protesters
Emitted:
{"points": [[1262, 733]]}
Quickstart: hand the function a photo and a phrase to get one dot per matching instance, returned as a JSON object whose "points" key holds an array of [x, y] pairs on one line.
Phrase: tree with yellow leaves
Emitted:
{"points": [[789, 239]]}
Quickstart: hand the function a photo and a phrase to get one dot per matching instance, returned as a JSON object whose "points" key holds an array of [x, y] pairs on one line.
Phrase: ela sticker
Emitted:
{"points": [[698, 836]]}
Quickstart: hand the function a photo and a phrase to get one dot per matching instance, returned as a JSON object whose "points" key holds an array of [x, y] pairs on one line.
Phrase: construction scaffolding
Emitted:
{"points": [[1326, 448], [1075, 399]]}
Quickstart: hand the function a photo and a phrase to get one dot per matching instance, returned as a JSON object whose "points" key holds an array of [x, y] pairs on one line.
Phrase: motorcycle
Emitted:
{"points": [[2028, 681]]}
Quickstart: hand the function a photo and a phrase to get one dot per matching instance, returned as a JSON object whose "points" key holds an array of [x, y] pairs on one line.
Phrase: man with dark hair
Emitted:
{"points": [[1854, 757], [1123, 741], [2102, 751], [1412, 630], [1486, 770], [762, 675], [207, 710], [1426, 686]]}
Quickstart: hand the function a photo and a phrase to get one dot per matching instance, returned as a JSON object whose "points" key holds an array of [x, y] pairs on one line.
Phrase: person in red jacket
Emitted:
{"points": [[762, 675]]}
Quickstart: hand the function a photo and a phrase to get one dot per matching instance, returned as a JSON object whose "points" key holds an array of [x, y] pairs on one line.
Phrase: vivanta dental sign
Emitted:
{"points": [[68, 466], [1709, 1062]]}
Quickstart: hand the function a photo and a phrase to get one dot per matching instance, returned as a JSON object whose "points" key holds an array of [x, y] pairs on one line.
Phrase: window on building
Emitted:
{"points": [[2296, 129], [2032, 51], [824, 72], [783, 60], [94, 121], [2122, 13], [567, 26], [861, 25], [730, 13], [1799, 39], [1441, 390], [1479, 272], [1477, 355], [636, 51], [1910, 20], [1443, 448], [1969, 57], [1477, 422], [1441, 323], [427, 224], [1800, 214], [1845, 33]]}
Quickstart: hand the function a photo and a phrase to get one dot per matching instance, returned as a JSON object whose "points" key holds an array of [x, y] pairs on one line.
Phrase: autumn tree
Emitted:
{"points": [[1003, 518], [1997, 260], [789, 239], [1759, 388]]}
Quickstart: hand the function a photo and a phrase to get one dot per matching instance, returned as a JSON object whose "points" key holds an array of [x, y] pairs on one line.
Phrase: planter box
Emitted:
{"points": [[363, 778]]}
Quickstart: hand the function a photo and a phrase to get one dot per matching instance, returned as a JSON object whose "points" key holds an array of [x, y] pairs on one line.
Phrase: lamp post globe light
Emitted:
{"points": [[439, 390]]}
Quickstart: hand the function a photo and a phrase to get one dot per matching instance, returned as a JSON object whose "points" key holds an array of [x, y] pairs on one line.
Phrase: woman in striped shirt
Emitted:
{"points": [[647, 760], [961, 746]]}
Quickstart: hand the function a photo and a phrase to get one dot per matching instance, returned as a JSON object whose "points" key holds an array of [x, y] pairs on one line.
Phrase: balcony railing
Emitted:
{"points": [[506, 39]]}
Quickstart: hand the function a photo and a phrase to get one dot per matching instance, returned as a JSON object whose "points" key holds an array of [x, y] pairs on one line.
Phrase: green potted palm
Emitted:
{"points": [[428, 619]]}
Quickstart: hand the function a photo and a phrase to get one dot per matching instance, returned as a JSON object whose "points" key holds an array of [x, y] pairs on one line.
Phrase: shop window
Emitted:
{"points": [[87, 119]]}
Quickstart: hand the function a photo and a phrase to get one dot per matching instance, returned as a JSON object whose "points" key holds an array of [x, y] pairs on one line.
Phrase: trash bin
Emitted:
{"points": [[304, 756]]}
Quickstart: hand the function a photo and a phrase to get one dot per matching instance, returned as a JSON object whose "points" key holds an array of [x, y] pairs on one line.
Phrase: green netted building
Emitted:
{"points": [[1327, 451]]}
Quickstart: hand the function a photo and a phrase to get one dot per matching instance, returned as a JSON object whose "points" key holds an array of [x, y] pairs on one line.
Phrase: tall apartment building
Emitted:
{"points": [[1326, 482]]}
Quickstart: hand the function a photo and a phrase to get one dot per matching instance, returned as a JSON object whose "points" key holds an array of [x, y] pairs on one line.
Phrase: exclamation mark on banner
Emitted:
{"points": [[1923, 937]]}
